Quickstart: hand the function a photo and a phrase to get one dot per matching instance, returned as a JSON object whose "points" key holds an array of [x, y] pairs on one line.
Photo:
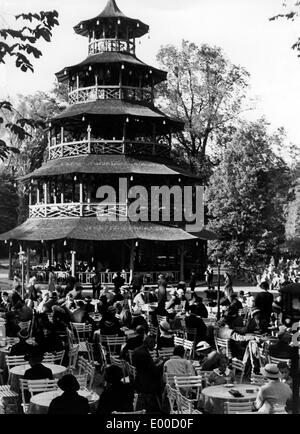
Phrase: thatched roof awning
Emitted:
{"points": [[111, 58], [106, 164], [93, 229]]}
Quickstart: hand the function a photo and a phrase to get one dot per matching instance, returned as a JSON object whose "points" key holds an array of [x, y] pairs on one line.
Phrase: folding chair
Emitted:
{"points": [[131, 372], [222, 346], [40, 386], [172, 398], [258, 380], [82, 380], [166, 352], [12, 361], [121, 364], [161, 318], [276, 360], [192, 385], [56, 357], [237, 407], [24, 388], [238, 365], [24, 325], [91, 350], [11, 341], [82, 333], [86, 367], [114, 345], [73, 356], [185, 405]]}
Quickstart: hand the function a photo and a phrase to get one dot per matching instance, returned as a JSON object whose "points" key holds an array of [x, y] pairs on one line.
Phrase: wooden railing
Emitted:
{"points": [[74, 210], [109, 147], [102, 45], [93, 93]]}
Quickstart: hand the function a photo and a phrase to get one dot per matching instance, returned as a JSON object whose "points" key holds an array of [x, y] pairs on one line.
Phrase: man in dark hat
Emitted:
{"points": [[37, 371], [134, 341], [96, 284], [22, 347], [70, 402]]}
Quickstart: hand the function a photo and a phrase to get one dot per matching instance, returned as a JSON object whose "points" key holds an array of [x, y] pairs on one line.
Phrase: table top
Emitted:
{"points": [[249, 392], [20, 370], [44, 399]]}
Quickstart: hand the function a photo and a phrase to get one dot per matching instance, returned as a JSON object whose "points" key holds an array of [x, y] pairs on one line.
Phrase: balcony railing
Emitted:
{"points": [[73, 210], [93, 93], [104, 147], [102, 45]]}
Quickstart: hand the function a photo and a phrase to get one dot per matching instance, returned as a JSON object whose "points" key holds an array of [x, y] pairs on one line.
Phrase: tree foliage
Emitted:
{"points": [[291, 11], [247, 197], [204, 90], [20, 44], [8, 203]]}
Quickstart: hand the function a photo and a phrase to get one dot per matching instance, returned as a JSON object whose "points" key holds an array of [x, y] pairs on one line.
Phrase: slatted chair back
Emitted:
{"points": [[40, 386], [178, 341], [24, 388], [103, 356], [90, 346], [85, 367], [82, 380], [204, 375], [130, 412], [120, 363], [71, 338], [82, 332], [263, 358], [222, 346], [103, 338], [189, 348], [131, 372], [114, 345], [12, 361], [191, 334], [276, 360], [25, 325], [189, 384], [153, 330], [237, 407], [238, 366], [166, 352], [130, 356], [56, 358], [73, 356], [169, 378], [279, 409], [161, 318], [172, 395]]}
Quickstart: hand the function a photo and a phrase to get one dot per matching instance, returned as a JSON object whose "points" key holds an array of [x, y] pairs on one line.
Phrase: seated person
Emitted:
{"points": [[89, 307], [177, 364], [116, 396], [166, 337], [138, 319], [140, 298], [274, 392], [207, 357], [133, 341], [48, 340], [109, 324], [282, 348], [21, 348], [80, 315], [222, 374], [5, 302], [201, 309], [125, 316], [194, 321], [285, 373], [234, 306], [256, 324], [238, 342], [37, 370], [70, 402], [69, 302]]}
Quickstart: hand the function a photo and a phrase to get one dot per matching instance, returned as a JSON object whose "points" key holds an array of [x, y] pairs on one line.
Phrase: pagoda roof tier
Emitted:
{"points": [[106, 164], [111, 58], [110, 107], [91, 228], [111, 12]]}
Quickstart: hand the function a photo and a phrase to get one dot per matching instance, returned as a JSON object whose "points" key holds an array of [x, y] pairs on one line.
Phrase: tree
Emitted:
{"points": [[247, 197], [8, 203], [204, 90], [20, 44], [291, 11]]}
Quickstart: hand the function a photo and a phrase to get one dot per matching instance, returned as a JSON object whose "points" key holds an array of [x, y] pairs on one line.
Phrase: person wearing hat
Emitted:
{"points": [[70, 402], [193, 321], [177, 364], [282, 348], [208, 357], [256, 324], [133, 341], [139, 300], [109, 323], [166, 337], [21, 348], [37, 370], [116, 396], [138, 320], [274, 392]]}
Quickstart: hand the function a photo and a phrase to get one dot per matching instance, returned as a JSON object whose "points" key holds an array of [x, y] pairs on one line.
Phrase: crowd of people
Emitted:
{"points": [[244, 317]]}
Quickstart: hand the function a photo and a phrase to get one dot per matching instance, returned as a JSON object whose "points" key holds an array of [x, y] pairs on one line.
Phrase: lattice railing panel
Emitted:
{"points": [[69, 210], [102, 45], [94, 93]]}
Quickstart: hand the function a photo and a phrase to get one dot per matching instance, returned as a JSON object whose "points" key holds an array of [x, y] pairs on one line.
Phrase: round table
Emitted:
{"points": [[18, 372], [40, 402], [213, 398]]}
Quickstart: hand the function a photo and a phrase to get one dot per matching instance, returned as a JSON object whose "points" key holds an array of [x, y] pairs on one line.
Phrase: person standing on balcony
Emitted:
{"points": [[96, 284], [209, 277]]}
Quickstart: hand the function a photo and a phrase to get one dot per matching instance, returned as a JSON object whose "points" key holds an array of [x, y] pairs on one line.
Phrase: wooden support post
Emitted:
{"points": [[38, 194], [120, 83], [131, 261], [182, 255], [89, 130], [81, 198], [73, 263], [28, 264], [10, 271], [62, 135], [124, 137], [77, 82]]}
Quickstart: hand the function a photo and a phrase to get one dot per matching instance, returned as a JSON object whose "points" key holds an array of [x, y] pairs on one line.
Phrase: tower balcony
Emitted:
{"points": [[107, 45], [75, 210], [108, 147], [93, 93]]}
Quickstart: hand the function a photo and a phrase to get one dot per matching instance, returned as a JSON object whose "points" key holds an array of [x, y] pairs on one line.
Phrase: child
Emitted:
{"points": [[285, 373], [222, 374]]}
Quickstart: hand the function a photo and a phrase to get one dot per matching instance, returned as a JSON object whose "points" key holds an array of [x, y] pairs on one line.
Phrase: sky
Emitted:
{"points": [[240, 27]]}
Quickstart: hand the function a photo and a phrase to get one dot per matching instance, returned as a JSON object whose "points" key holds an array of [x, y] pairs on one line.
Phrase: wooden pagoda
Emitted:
{"points": [[111, 129]]}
